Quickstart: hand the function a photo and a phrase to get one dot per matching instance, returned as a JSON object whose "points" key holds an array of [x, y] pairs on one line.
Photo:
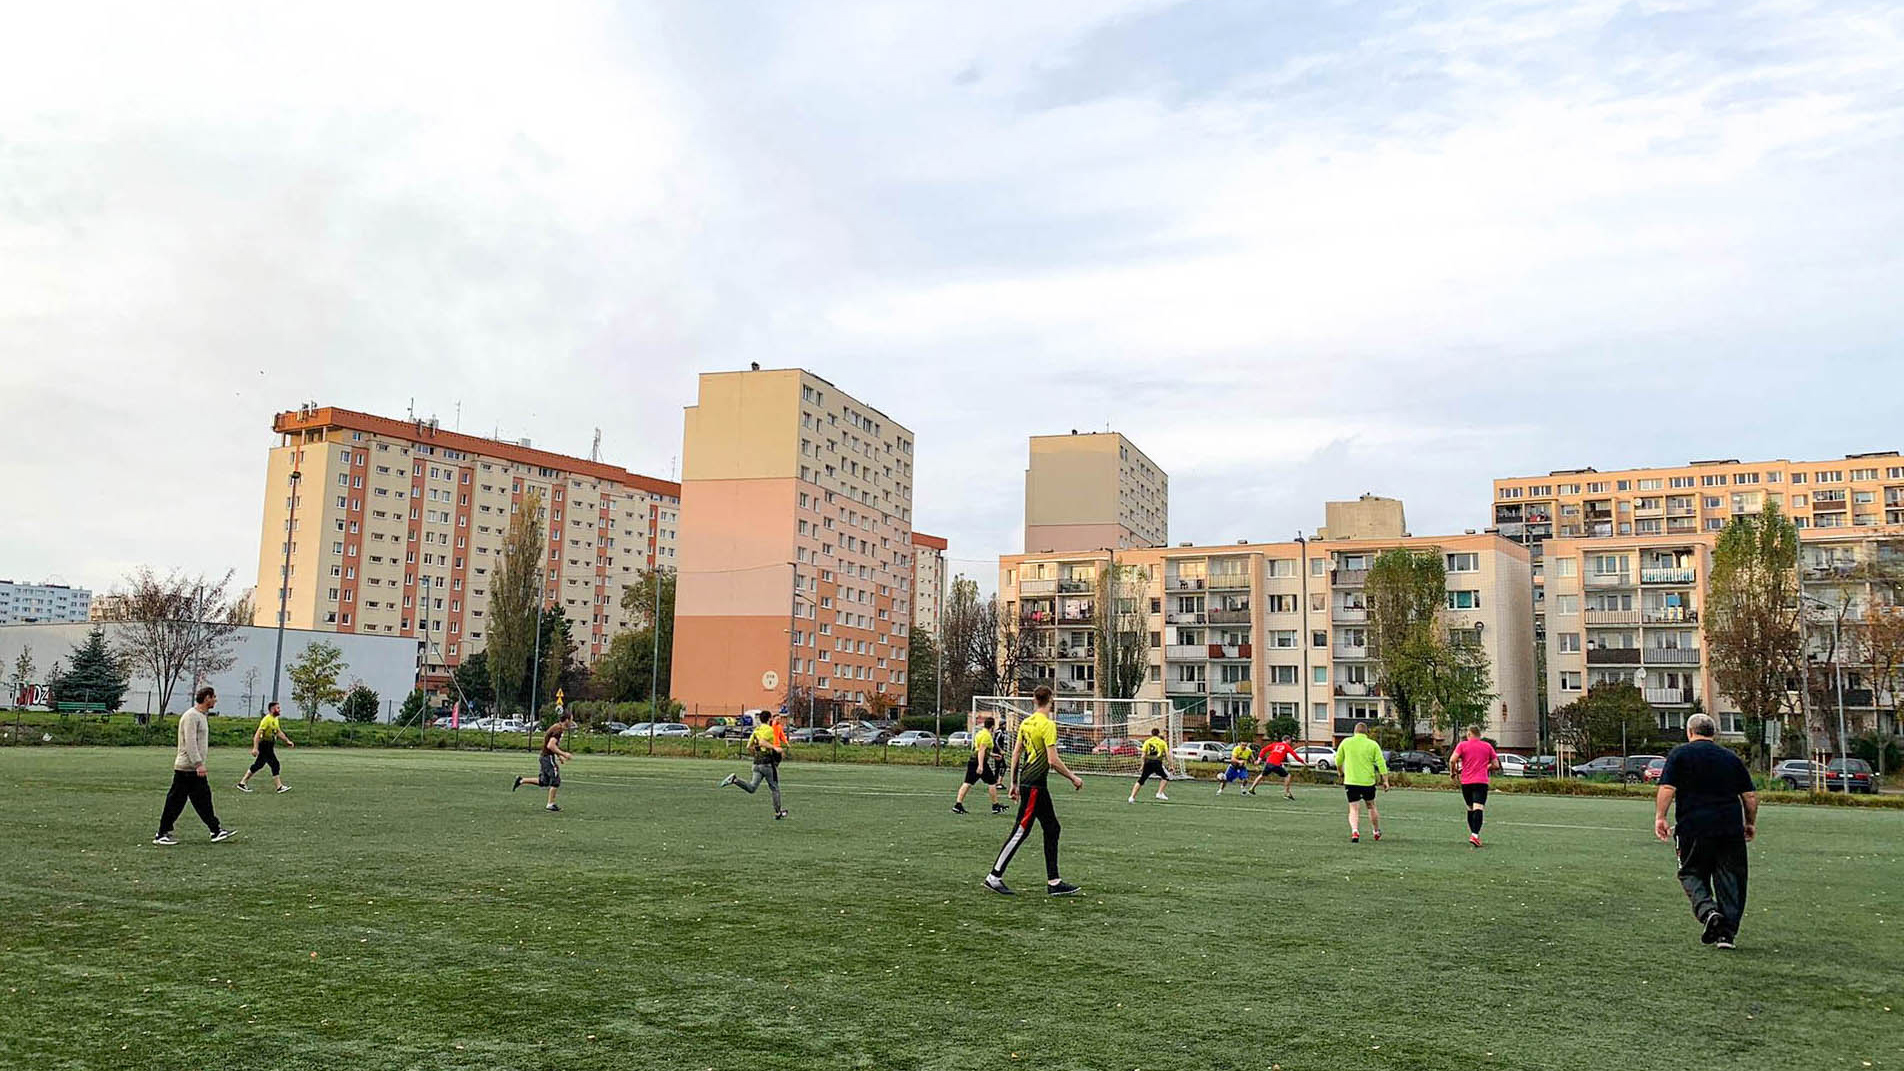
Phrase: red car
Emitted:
{"points": [[1650, 775], [1116, 746]]}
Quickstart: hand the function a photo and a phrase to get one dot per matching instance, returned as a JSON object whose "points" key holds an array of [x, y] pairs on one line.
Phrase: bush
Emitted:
{"points": [[413, 706], [359, 705], [1868, 745]]}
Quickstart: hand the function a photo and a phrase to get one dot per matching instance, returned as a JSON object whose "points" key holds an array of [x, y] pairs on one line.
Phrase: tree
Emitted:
{"points": [[559, 670], [1406, 591], [1123, 655], [1459, 687], [359, 705], [640, 600], [968, 644], [473, 683], [96, 674], [514, 601], [1754, 640], [413, 706], [1882, 635], [314, 678], [22, 672], [173, 625], [251, 686], [621, 674], [922, 673], [1594, 723]]}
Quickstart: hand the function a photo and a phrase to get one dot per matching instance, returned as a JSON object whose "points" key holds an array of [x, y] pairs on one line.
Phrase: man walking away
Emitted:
{"points": [[549, 766], [767, 751], [188, 773], [1360, 760], [982, 766], [264, 750], [1154, 749], [1718, 812], [1474, 758], [1032, 760], [1277, 757]]}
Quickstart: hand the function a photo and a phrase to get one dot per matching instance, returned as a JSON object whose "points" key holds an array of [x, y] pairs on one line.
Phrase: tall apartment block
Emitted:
{"points": [[1093, 491], [32, 604], [796, 507], [394, 514], [1270, 630], [928, 582]]}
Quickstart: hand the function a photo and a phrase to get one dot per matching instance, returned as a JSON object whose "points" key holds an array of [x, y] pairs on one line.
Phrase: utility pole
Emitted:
{"points": [[284, 581], [1302, 636]]}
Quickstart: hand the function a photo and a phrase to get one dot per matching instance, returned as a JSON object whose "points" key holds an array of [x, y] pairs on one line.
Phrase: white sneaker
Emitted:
{"points": [[1133, 799], [284, 788], [242, 787], [1163, 797]]}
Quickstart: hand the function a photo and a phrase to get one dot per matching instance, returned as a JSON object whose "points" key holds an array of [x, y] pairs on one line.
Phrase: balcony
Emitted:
{"points": [[1077, 617], [1613, 656], [1351, 654], [1037, 618], [1028, 588], [1174, 687], [1229, 650], [1511, 529], [1671, 615], [1613, 617], [1183, 583], [1074, 587], [1669, 697], [1083, 653], [1068, 687], [1186, 652], [1351, 578], [1831, 571], [1229, 617], [1351, 614], [1187, 617], [1230, 687], [1609, 580], [1230, 581], [1354, 689], [1858, 697], [1668, 576], [1672, 656]]}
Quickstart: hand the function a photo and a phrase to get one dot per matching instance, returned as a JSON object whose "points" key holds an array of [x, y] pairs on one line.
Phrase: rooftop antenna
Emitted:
{"points": [[413, 409], [459, 415], [595, 448]]}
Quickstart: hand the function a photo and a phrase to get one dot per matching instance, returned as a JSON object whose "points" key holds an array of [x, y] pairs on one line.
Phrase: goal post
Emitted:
{"points": [[1095, 736]]}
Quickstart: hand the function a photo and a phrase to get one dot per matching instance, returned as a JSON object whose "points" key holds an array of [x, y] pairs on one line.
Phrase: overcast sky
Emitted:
{"points": [[1295, 251]]}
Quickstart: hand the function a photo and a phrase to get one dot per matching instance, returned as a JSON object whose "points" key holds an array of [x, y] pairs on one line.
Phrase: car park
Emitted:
{"points": [[1543, 766], [1116, 745], [1631, 769], [914, 738], [610, 727], [870, 737], [815, 735], [639, 728], [672, 728], [1316, 757], [1654, 769], [1840, 775]]}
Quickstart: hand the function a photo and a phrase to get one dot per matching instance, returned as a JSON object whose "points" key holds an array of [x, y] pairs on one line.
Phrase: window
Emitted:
{"points": [[1569, 682], [1569, 642], [1320, 674], [1566, 605], [1280, 567], [1318, 638], [1464, 600], [1464, 563], [1281, 674], [1564, 566]]}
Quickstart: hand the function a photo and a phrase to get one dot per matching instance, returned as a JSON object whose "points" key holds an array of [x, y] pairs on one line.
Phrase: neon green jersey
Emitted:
{"points": [[1035, 734], [1360, 760], [1155, 748]]}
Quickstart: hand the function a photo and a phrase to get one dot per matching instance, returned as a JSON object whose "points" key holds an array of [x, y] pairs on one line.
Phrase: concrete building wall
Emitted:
{"points": [[25, 604], [1093, 490], [1368, 517], [928, 582]]}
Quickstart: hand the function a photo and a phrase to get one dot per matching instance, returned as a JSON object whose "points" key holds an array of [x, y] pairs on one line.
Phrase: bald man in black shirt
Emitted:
{"points": [[1717, 810]]}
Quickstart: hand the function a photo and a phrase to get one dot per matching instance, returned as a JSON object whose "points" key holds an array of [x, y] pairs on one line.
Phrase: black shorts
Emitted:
{"points": [[1275, 771], [1152, 768], [551, 776], [1361, 793], [1472, 794], [974, 773]]}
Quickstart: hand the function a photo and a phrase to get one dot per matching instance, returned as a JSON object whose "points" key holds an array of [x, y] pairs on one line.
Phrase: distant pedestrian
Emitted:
{"points": [[189, 781], [767, 749], [1717, 809], [264, 750], [1474, 760], [549, 763]]}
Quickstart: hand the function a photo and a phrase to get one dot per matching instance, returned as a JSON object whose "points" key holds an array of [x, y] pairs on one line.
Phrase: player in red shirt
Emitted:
{"points": [[1474, 759], [1277, 758]]}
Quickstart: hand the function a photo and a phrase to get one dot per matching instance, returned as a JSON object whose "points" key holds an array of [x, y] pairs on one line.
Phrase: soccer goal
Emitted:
{"points": [[1104, 736]]}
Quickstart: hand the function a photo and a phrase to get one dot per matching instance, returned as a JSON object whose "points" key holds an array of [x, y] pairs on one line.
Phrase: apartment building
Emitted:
{"points": [[37, 604], [400, 525], [796, 506], [1848, 578], [1367, 517], [1267, 630], [928, 582], [1092, 491]]}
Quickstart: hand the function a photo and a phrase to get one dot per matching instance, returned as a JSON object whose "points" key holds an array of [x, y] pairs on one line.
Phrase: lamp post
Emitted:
{"points": [[1302, 636], [284, 582]]}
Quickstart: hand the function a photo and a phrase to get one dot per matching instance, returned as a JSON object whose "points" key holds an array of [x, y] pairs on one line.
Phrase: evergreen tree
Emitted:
{"points": [[359, 705], [96, 674], [514, 600]]}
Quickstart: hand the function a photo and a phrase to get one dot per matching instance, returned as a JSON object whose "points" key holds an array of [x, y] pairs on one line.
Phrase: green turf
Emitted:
{"points": [[405, 910]]}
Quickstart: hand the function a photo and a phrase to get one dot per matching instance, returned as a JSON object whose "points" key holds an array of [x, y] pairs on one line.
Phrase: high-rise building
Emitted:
{"points": [[38, 604], [1093, 491], [1268, 630], [796, 508], [391, 513], [928, 582], [1368, 517]]}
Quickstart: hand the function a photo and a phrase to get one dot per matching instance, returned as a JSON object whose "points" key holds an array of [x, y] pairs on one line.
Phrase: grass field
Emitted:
{"points": [[404, 910]]}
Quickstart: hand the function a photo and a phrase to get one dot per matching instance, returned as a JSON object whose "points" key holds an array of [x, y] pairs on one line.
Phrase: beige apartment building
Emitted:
{"points": [[796, 507], [1265, 630], [1093, 491], [400, 524], [1367, 517], [928, 582]]}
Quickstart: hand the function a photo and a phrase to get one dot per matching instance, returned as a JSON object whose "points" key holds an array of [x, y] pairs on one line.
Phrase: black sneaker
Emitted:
{"points": [[778, 815], [1063, 888], [998, 808], [997, 885], [517, 785], [1728, 941], [959, 808], [242, 787], [166, 839], [1715, 928], [224, 834]]}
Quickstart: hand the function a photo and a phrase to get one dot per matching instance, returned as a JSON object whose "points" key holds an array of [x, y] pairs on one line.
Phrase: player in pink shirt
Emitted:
{"points": [[1474, 758]]}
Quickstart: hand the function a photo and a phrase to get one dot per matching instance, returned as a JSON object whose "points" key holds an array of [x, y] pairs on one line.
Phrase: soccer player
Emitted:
{"points": [[767, 750], [264, 750], [1718, 812], [1276, 760], [1237, 770], [1360, 760], [1032, 761], [549, 772], [1474, 758], [981, 767], [1154, 749], [188, 773]]}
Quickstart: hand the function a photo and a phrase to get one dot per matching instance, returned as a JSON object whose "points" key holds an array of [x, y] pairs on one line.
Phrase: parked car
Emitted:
{"points": [[1199, 751], [1653, 770], [611, 727], [815, 735], [726, 731], [639, 728], [1316, 757], [1839, 775], [1415, 762], [1631, 769], [914, 738], [959, 739], [1116, 745], [1543, 766], [672, 728], [870, 737], [1513, 765]]}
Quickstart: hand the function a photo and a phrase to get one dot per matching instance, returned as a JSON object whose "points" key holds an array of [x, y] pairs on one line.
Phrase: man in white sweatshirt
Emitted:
{"points": [[188, 773]]}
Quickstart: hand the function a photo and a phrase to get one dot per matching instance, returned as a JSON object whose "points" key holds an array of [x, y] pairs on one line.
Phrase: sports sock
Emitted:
{"points": [[1474, 821]]}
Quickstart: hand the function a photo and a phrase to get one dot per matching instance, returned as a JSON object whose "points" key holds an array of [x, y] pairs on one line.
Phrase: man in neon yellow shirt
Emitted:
{"points": [[264, 750], [1360, 760], [1033, 759], [1237, 770], [1154, 749], [765, 746], [981, 767]]}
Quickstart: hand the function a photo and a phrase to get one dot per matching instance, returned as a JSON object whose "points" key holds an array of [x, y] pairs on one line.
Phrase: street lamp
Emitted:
{"points": [[1837, 674], [284, 581]]}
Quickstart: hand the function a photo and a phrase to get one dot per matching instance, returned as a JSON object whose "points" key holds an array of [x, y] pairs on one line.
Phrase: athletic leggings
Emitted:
{"points": [[1033, 802], [767, 773], [267, 756]]}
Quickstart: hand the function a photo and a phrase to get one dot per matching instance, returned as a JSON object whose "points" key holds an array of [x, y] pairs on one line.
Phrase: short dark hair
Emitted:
{"points": [[1287, 738], [207, 692], [1154, 731], [273, 706], [990, 721], [1041, 696]]}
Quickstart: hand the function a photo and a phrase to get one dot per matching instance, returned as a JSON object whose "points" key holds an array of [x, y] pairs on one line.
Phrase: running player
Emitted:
{"points": [[549, 772], [1237, 770], [1154, 750], [767, 750], [981, 767], [1473, 759], [1276, 761], [1032, 761], [1360, 760], [264, 750]]}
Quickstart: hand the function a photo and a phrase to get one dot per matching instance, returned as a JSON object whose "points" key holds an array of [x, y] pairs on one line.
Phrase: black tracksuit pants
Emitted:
{"points": [[1712, 870], [187, 785], [1034, 803]]}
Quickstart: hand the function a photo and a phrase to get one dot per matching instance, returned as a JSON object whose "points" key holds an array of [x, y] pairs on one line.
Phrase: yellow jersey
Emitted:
{"points": [[1240, 754], [1155, 747], [268, 727], [1035, 734], [764, 739], [984, 742]]}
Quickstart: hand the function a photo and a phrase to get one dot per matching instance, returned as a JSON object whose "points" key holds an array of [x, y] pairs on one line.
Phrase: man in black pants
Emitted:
{"points": [[1718, 813], [188, 773], [264, 750], [1035, 755]]}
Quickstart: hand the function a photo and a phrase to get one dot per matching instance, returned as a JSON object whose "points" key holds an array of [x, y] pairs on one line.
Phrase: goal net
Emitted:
{"points": [[1103, 736]]}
